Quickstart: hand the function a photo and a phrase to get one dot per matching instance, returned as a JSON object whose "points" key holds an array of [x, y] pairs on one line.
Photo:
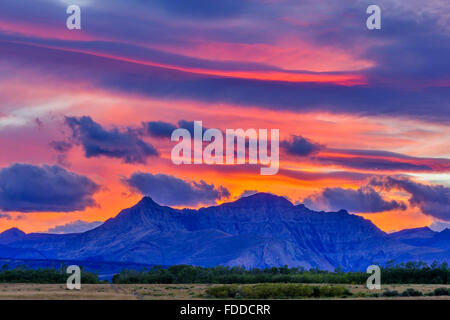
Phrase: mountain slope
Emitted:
{"points": [[261, 230], [416, 233], [19, 253], [431, 239], [11, 235]]}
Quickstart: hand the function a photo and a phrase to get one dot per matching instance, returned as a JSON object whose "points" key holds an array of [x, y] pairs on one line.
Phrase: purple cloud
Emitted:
{"points": [[300, 146], [170, 190], [362, 200], [369, 100], [433, 200], [30, 188], [113, 143], [159, 129]]}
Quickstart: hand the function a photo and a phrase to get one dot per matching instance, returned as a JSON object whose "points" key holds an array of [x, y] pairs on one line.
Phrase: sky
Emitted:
{"points": [[86, 115]]}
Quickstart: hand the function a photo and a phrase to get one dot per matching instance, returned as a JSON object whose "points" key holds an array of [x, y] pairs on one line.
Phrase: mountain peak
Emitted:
{"points": [[262, 198], [422, 232], [13, 231], [147, 202], [11, 235], [260, 230]]}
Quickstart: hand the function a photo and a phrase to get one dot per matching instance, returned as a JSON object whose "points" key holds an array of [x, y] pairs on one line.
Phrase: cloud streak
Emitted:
{"points": [[157, 82]]}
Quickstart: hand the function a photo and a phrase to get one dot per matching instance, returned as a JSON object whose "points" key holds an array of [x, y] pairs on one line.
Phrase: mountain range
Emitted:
{"points": [[262, 230]]}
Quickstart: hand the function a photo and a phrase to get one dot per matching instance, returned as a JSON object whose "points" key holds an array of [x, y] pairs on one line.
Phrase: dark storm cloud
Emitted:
{"points": [[170, 190], [30, 188], [113, 143]]}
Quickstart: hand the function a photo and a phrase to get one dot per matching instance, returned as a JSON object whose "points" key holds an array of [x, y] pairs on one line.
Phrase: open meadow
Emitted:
{"points": [[19, 291]]}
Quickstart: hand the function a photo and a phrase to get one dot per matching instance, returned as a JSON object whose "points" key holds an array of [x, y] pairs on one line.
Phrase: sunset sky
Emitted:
{"points": [[86, 115]]}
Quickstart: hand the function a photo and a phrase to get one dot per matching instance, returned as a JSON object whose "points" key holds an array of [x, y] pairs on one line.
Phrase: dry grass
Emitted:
{"points": [[59, 291], [169, 291], [424, 288], [160, 291]]}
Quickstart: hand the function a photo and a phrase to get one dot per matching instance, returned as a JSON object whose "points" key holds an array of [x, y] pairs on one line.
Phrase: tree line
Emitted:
{"points": [[23, 274], [403, 273]]}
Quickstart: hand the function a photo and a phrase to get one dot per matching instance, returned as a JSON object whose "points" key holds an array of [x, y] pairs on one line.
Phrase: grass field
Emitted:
{"points": [[165, 291]]}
